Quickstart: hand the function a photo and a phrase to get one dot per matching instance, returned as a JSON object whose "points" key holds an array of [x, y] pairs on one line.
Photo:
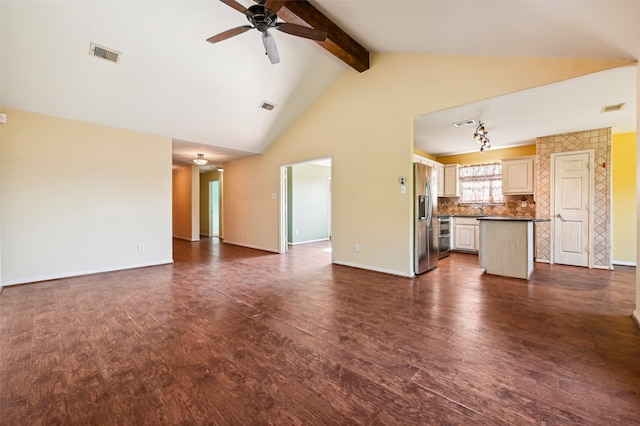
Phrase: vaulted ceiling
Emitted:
{"points": [[206, 97]]}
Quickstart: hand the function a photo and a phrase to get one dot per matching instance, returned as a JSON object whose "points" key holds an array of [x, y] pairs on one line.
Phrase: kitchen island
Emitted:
{"points": [[507, 245]]}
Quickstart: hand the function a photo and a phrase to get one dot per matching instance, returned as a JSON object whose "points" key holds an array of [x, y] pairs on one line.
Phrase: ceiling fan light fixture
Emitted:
{"points": [[263, 17], [200, 160]]}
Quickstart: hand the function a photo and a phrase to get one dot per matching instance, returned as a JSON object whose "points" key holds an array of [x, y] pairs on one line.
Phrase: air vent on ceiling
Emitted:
{"points": [[463, 123], [611, 108], [104, 53], [268, 106]]}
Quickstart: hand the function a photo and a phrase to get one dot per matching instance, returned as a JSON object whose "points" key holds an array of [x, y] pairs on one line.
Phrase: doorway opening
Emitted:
{"points": [[214, 208], [306, 213]]}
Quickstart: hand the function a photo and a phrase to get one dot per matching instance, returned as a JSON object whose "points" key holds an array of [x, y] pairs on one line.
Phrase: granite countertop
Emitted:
{"points": [[498, 218], [513, 219]]}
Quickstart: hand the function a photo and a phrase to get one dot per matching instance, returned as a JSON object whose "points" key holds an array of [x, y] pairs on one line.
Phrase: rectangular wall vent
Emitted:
{"points": [[266, 105], [104, 53], [463, 123], [611, 108]]}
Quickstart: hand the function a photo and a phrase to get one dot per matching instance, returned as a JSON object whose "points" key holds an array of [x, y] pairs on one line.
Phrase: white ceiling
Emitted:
{"points": [[206, 97], [519, 118]]}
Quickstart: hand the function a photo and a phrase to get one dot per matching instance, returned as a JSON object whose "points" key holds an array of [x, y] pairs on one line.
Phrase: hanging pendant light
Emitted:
{"points": [[200, 160]]}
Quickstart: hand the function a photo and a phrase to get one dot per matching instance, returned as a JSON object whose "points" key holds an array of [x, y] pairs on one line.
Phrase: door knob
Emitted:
{"points": [[559, 216]]}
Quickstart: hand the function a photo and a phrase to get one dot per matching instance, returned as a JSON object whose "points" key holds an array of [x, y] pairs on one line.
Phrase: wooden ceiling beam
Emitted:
{"points": [[338, 42]]}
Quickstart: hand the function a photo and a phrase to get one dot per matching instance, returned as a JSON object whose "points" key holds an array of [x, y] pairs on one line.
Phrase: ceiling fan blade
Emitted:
{"points": [[229, 33], [274, 5], [270, 47], [234, 4], [301, 31]]}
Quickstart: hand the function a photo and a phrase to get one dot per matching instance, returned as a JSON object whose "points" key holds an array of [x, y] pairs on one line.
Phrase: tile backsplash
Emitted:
{"points": [[512, 206]]}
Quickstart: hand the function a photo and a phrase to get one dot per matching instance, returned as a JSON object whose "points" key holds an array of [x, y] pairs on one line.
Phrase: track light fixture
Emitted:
{"points": [[480, 136], [200, 161]]}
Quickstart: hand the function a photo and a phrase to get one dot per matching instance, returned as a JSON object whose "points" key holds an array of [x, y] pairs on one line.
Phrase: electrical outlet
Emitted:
{"points": [[524, 204], [403, 189], [246, 234], [356, 248], [297, 232], [141, 247]]}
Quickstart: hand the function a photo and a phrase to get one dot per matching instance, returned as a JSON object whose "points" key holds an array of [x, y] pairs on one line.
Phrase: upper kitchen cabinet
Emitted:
{"points": [[518, 175], [440, 170], [451, 180]]}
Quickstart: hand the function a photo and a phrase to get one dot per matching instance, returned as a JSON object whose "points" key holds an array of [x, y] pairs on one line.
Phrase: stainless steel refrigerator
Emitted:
{"points": [[426, 218]]}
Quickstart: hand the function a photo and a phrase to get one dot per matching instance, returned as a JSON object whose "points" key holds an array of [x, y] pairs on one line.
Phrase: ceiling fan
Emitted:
{"points": [[263, 17]]}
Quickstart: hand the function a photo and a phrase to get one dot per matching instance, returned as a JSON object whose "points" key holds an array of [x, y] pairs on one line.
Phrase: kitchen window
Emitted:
{"points": [[481, 183]]}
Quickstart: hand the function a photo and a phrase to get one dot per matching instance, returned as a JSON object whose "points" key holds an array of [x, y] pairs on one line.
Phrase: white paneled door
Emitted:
{"points": [[571, 203]]}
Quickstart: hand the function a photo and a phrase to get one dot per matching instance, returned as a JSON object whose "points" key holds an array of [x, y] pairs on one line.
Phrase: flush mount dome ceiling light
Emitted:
{"points": [[200, 160], [480, 136]]}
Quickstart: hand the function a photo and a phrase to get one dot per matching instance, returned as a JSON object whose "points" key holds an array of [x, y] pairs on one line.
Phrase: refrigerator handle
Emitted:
{"points": [[428, 204]]}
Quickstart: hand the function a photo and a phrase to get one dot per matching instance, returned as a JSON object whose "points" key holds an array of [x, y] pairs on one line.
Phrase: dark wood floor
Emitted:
{"points": [[229, 335]]}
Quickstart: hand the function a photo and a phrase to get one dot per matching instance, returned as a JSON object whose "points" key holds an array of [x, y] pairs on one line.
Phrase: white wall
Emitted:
{"points": [[309, 203], [78, 198]]}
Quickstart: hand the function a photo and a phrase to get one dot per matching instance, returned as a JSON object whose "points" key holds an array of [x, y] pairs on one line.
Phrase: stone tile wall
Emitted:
{"points": [[512, 206], [599, 141]]}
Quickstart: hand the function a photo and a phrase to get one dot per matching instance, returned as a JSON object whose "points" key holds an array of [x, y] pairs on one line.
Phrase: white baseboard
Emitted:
{"points": [[636, 317], [40, 278], [235, 243], [623, 263], [542, 261], [608, 268], [367, 267], [308, 242], [177, 237]]}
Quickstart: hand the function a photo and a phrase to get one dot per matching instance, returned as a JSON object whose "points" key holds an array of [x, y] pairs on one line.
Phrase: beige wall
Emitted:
{"points": [[186, 203], [598, 140], [364, 122], [205, 178], [79, 198]]}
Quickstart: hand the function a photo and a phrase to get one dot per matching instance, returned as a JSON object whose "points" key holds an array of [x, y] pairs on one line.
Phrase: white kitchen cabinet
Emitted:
{"points": [[466, 234], [451, 180], [440, 170], [518, 175]]}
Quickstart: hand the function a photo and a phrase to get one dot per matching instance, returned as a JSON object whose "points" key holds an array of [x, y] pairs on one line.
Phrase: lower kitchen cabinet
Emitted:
{"points": [[466, 234]]}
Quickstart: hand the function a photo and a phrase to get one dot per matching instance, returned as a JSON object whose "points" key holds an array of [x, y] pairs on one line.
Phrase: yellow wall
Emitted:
{"points": [[488, 156], [636, 312], [186, 203], [623, 221], [79, 198], [424, 154], [364, 122]]}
